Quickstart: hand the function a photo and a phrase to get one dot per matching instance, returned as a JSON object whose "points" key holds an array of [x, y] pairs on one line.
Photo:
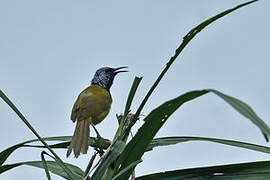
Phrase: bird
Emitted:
{"points": [[91, 107]]}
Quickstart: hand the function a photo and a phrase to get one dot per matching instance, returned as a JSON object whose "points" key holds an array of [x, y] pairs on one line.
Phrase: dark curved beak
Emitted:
{"points": [[116, 69]]}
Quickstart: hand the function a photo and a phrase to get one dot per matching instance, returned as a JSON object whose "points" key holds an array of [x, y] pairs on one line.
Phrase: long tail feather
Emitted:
{"points": [[79, 142]]}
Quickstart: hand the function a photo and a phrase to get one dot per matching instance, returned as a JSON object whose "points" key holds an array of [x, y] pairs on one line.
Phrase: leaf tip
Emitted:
{"points": [[266, 137]]}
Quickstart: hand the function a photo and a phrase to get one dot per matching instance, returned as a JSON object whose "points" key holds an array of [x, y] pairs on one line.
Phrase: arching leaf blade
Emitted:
{"points": [[94, 142], [166, 141], [246, 111], [153, 122], [187, 38], [30, 127], [112, 155], [45, 165], [52, 166], [244, 171]]}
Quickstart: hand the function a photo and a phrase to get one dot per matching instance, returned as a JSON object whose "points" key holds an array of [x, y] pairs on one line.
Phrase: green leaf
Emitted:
{"points": [[45, 165], [187, 38], [156, 119], [153, 122], [94, 142], [21, 116], [132, 165], [131, 94], [244, 171], [6, 153], [246, 111], [133, 89], [165, 141], [52, 166], [112, 155]]}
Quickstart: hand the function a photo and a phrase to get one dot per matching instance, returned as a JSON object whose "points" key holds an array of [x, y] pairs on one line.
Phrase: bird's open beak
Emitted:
{"points": [[116, 70]]}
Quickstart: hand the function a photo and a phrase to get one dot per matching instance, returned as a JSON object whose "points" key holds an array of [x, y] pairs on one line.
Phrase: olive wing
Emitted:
{"points": [[90, 104]]}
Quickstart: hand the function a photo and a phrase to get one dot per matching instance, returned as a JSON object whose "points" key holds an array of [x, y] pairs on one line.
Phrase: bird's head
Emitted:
{"points": [[104, 76]]}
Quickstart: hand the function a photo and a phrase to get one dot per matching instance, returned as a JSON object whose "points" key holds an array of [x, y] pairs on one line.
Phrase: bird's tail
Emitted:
{"points": [[79, 142]]}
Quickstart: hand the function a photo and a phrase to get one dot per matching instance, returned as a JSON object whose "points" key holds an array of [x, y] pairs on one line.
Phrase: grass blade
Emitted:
{"points": [[45, 165], [52, 166], [15, 109], [132, 165], [166, 141], [94, 142], [244, 171], [133, 89], [157, 117], [131, 94], [187, 38], [112, 155], [153, 122], [246, 111], [6, 153]]}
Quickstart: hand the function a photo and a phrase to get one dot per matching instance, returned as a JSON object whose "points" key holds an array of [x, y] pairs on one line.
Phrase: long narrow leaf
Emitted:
{"points": [[132, 165], [175, 140], [133, 89], [153, 122], [94, 142], [6, 153], [52, 166], [244, 171], [45, 165], [132, 92], [184, 98], [165, 141], [21, 116], [187, 38], [246, 111], [116, 150]]}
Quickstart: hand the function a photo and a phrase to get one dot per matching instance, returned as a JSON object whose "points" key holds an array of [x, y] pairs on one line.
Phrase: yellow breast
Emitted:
{"points": [[93, 103]]}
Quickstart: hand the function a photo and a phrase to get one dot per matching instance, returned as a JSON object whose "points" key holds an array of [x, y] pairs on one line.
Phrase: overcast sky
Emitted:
{"points": [[49, 51]]}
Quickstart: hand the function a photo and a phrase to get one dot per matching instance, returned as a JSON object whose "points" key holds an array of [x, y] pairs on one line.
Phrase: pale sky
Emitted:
{"points": [[49, 51]]}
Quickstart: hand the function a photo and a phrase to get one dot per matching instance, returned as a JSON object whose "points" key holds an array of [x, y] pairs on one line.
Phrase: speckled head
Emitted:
{"points": [[104, 76]]}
